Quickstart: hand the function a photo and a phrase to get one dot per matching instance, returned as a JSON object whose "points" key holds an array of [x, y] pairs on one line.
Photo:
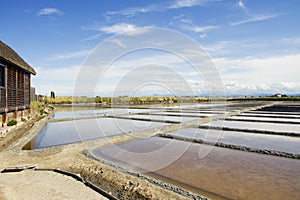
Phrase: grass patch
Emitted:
{"points": [[12, 123]]}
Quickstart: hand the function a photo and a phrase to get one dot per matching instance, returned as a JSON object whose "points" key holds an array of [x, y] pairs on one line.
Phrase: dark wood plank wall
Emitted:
{"points": [[17, 89], [2, 99]]}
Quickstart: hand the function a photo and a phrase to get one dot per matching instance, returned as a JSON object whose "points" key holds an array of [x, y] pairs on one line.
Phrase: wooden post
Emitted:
{"points": [[23, 113], [15, 114], [4, 119]]}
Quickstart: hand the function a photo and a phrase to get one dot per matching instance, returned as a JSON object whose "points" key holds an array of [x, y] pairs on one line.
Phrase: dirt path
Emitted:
{"points": [[30, 184]]}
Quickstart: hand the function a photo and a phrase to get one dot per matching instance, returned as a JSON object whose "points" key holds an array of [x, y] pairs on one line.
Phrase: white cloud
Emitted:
{"points": [[242, 5], [251, 17], [61, 80], [292, 40], [189, 3], [50, 11], [75, 54], [239, 48], [260, 75], [189, 25], [118, 42], [255, 18], [118, 28], [160, 7], [200, 29], [135, 11]]}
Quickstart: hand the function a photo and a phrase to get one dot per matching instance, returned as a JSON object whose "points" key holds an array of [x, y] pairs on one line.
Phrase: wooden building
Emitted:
{"points": [[14, 82]]}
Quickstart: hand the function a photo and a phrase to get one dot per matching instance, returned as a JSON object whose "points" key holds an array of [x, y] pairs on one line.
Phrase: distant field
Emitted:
{"points": [[157, 100]]}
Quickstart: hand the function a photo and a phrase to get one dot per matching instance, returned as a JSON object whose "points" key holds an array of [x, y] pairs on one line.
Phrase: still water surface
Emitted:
{"points": [[260, 141], [264, 126], [58, 133], [221, 174], [64, 114], [163, 118]]}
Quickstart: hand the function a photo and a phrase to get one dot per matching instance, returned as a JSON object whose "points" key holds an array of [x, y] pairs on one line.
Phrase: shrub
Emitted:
{"points": [[42, 111], [12, 122], [23, 119]]}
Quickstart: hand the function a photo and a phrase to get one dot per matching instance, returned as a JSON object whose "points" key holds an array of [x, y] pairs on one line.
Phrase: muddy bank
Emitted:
{"points": [[142, 177]]}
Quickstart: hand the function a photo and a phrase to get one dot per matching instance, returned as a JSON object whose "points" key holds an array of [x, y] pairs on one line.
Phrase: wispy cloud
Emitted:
{"points": [[190, 26], [75, 54], [119, 42], [137, 10], [117, 28], [200, 29], [255, 18], [292, 40], [92, 37], [190, 3], [50, 11], [250, 17], [161, 7]]}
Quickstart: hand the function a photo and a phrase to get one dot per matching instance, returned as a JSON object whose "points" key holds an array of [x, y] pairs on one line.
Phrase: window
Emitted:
{"points": [[2, 75]]}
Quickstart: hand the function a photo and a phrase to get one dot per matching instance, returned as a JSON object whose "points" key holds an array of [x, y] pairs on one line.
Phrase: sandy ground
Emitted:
{"points": [[70, 158], [43, 185]]}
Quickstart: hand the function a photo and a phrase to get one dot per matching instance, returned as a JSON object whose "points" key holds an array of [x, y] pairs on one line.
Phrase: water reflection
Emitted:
{"points": [[223, 173], [58, 133], [81, 113], [256, 126], [163, 118], [260, 141]]}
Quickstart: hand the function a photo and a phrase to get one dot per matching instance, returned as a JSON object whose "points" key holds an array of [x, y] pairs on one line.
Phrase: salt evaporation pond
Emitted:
{"points": [[197, 106], [183, 114], [59, 133], [262, 126], [270, 119], [221, 174], [162, 118], [269, 115], [258, 141], [95, 112], [273, 113], [197, 111]]}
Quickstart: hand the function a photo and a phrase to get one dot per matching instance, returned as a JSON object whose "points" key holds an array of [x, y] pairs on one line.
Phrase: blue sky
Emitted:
{"points": [[254, 44]]}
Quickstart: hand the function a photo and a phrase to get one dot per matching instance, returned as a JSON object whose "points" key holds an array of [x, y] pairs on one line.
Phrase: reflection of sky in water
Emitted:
{"points": [[268, 115], [256, 126], [163, 118], [57, 133], [185, 114], [260, 141], [94, 113], [273, 113], [265, 119]]}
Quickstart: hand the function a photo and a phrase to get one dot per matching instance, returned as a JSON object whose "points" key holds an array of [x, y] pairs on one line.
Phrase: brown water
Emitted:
{"points": [[221, 174]]}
